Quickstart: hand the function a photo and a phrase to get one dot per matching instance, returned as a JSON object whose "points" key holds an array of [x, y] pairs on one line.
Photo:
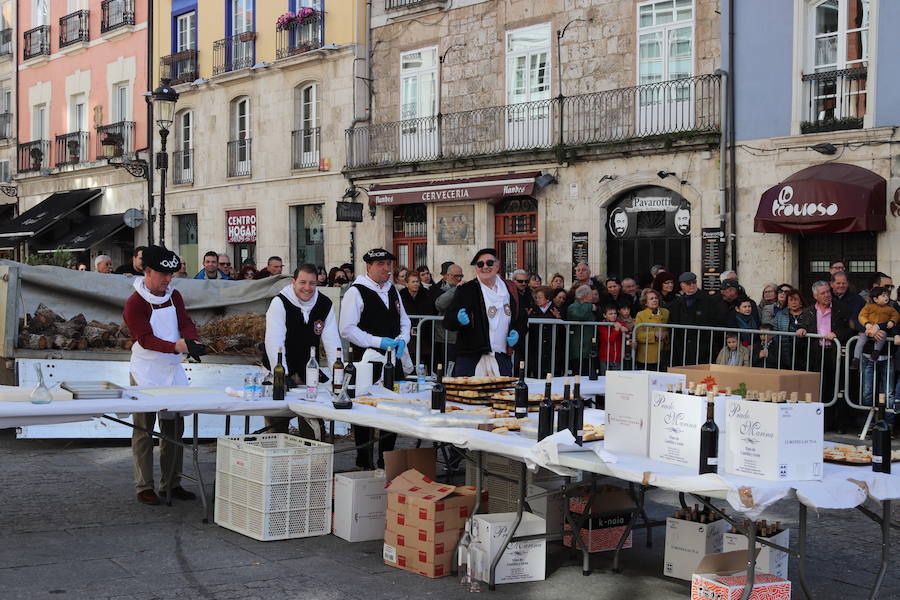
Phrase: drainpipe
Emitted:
{"points": [[732, 137], [150, 32], [14, 41], [367, 117], [723, 148]]}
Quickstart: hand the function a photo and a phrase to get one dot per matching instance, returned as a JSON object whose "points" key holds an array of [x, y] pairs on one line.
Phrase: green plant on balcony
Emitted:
{"points": [[74, 150], [37, 157], [113, 144], [840, 124]]}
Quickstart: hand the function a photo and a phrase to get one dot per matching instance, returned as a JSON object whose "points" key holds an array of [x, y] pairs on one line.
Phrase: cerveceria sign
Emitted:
{"points": [[241, 226], [476, 188]]}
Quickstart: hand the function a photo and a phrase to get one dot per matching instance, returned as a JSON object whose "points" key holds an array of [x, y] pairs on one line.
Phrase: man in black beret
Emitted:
{"points": [[489, 317]]}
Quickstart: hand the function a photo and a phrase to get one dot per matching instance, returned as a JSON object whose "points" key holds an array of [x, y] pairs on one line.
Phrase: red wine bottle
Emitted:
{"points": [[545, 412], [521, 393], [576, 420], [564, 414], [438, 392], [709, 439], [881, 440]]}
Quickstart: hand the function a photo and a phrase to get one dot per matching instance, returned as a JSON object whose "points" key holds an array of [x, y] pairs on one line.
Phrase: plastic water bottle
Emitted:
{"points": [[257, 387], [420, 377], [248, 387]]}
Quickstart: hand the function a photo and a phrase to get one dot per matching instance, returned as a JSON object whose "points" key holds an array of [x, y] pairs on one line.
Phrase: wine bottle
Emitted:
{"points": [[564, 414], [350, 375], [337, 374], [278, 378], [545, 412], [881, 440], [312, 375], [709, 439], [388, 371], [577, 417], [521, 393], [438, 392], [593, 367]]}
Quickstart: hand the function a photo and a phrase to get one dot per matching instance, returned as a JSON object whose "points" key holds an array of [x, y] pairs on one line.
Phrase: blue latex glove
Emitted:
{"points": [[387, 342], [513, 338], [463, 317], [400, 347]]}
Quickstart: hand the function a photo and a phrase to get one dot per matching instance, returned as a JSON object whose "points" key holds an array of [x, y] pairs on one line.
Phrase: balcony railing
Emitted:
{"points": [[836, 100], [115, 14], [5, 42], [36, 42], [34, 156], [689, 106], [234, 53], [239, 158], [180, 68], [305, 148], [74, 28], [6, 120], [72, 148], [116, 139], [397, 4], [300, 37], [183, 167]]}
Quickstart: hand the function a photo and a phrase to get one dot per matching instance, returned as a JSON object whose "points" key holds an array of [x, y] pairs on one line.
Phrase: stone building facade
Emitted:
{"points": [[7, 108]]}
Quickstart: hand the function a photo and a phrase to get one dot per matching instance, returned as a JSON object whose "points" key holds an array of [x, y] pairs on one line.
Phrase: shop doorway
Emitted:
{"points": [[859, 250], [410, 235], [242, 253], [645, 227], [516, 235]]}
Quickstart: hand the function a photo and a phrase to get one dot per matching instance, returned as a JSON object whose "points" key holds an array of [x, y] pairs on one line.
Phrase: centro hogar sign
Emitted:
{"points": [[240, 226]]}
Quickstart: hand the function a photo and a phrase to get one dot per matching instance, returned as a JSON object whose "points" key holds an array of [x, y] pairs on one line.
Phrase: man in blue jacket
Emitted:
{"points": [[210, 268]]}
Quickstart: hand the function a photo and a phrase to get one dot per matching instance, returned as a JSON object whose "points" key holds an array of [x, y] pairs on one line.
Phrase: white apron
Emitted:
{"points": [[149, 367]]}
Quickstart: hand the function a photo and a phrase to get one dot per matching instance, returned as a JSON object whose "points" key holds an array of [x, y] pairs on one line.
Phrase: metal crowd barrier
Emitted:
{"points": [[862, 386]]}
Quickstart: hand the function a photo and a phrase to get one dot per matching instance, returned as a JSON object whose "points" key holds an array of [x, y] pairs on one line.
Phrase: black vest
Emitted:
{"points": [[376, 318], [302, 335]]}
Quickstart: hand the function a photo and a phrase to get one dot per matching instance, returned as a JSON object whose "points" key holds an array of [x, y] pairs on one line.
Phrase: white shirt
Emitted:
{"points": [[276, 326], [352, 307], [497, 301]]}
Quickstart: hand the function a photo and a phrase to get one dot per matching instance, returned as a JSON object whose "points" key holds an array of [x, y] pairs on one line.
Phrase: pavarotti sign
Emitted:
{"points": [[241, 226], [479, 188]]}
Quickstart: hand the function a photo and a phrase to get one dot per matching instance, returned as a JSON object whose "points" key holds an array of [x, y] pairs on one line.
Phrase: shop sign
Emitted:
{"points": [[712, 257], [476, 188], [349, 211], [673, 216], [579, 249], [241, 226]]}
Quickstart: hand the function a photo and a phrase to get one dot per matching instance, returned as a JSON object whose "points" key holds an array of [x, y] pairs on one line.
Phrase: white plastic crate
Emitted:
{"points": [[274, 486]]}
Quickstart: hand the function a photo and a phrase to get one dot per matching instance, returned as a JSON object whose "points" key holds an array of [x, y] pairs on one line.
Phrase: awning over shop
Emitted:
{"points": [[87, 235], [455, 190], [829, 198], [45, 214]]}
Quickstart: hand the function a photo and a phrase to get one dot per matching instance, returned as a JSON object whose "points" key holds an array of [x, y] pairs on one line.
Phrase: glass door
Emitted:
{"points": [[528, 88], [418, 105], [242, 135], [241, 22]]}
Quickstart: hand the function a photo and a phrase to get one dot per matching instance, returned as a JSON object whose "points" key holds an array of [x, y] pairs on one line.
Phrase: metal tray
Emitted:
{"points": [[92, 390]]}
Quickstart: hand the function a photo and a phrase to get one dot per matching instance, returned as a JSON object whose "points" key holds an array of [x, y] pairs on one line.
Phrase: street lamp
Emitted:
{"points": [[163, 99]]}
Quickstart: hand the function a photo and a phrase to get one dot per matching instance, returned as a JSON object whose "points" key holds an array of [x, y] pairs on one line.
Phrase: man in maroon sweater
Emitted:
{"points": [[161, 330]]}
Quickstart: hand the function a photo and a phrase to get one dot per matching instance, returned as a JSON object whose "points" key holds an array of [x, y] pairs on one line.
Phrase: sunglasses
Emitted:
{"points": [[225, 264], [456, 276], [485, 263], [522, 281]]}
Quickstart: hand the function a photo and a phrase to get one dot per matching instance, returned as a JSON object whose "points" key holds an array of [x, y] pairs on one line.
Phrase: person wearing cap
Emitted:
{"points": [[692, 307], [724, 303], [162, 333], [373, 318], [299, 318], [489, 317]]}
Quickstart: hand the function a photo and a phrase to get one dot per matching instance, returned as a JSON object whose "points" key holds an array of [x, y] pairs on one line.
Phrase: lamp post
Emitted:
{"points": [[163, 99]]}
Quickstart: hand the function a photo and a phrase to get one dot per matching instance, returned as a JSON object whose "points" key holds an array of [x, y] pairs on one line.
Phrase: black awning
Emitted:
{"points": [[11, 243], [87, 235], [46, 213]]}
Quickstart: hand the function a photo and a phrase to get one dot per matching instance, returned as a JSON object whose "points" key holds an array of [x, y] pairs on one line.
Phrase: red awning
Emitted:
{"points": [[454, 190], [829, 198]]}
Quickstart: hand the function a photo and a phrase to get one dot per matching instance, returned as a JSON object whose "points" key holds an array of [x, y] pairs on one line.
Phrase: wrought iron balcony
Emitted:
{"points": [[5, 42], [116, 139], [6, 121], [183, 167], [300, 37], [682, 106], [72, 148], [36, 42], [74, 28], [239, 158], [234, 53], [305, 148], [180, 67], [34, 156], [398, 4], [115, 14], [836, 100]]}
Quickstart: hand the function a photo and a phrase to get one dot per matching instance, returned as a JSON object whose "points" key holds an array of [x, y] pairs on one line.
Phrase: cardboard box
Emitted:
{"points": [[687, 542], [722, 577], [521, 561], [769, 560], [628, 408], [611, 510], [675, 422], [360, 503], [550, 508], [754, 378], [424, 522], [775, 442], [423, 460]]}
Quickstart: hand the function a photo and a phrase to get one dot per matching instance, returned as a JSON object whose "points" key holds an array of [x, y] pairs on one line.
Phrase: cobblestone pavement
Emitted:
{"points": [[72, 529]]}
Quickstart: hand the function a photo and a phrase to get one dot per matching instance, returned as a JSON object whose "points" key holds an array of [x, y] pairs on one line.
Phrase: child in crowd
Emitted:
{"points": [[609, 340], [742, 318], [766, 350], [876, 315], [733, 354], [624, 310]]}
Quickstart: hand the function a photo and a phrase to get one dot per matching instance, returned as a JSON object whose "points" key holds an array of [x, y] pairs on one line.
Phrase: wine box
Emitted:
{"points": [[769, 560], [628, 408], [675, 422], [611, 510], [722, 577], [521, 561], [360, 504], [687, 542]]}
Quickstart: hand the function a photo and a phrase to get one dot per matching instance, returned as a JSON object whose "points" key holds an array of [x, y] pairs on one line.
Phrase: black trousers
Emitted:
{"points": [[363, 436]]}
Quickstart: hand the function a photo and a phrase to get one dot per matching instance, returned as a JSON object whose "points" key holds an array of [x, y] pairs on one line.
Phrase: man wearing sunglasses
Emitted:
{"points": [[490, 319]]}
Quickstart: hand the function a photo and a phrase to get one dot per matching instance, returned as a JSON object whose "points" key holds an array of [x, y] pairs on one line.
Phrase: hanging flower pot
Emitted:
{"points": [[247, 36]]}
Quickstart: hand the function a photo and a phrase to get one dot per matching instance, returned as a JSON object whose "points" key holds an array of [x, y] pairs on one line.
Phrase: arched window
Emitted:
{"points": [[306, 134], [183, 157], [240, 145]]}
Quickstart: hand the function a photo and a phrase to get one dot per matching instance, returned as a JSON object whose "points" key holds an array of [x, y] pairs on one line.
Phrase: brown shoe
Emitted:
{"points": [[148, 497], [180, 493]]}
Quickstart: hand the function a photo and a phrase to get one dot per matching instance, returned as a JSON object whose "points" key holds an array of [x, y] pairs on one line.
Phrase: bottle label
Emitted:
{"points": [[337, 377], [876, 459], [580, 433], [712, 460]]}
